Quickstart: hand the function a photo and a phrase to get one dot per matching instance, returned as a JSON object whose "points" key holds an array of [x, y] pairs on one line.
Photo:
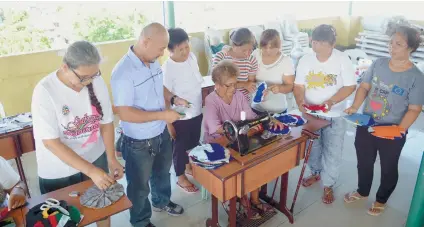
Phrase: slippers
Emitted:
{"points": [[378, 212], [351, 197], [188, 189], [309, 181]]}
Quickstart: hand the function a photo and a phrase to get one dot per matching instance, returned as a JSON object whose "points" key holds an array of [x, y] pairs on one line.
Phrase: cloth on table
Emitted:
{"points": [[391, 132], [97, 198], [290, 119], [210, 156]]}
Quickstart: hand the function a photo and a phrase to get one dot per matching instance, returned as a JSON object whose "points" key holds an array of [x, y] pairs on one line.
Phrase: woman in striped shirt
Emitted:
{"points": [[242, 41]]}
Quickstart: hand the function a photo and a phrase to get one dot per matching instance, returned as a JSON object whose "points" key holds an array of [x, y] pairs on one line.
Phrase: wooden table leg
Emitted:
{"points": [[283, 197], [233, 212], [308, 152], [19, 162], [213, 222]]}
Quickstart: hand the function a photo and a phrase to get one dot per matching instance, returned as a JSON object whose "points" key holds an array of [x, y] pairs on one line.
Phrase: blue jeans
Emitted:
{"points": [[147, 160], [326, 153]]}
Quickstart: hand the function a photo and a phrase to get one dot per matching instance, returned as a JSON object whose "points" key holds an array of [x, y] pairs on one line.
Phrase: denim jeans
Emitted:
{"points": [[326, 153], [147, 160]]}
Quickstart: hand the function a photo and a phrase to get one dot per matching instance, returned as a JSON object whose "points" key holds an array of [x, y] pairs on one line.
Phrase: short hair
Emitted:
{"points": [[270, 36], [224, 69], [242, 36], [176, 37], [324, 33], [412, 36]]}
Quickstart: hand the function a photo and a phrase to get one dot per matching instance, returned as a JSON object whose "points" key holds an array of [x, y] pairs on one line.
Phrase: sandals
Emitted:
{"points": [[353, 197], [309, 181], [376, 210], [248, 207], [262, 207], [328, 196], [188, 189]]}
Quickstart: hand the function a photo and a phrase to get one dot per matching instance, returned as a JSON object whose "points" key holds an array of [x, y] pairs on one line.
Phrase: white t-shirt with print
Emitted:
{"points": [[184, 80], [8, 177], [322, 80], [273, 74], [60, 112]]}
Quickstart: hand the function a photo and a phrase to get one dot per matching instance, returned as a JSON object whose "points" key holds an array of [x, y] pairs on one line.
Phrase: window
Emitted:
{"points": [[197, 16], [411, 10], [38, 26]]}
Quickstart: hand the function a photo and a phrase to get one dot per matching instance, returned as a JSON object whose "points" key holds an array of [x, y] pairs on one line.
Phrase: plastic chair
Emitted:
{"points": [[2, 112]]}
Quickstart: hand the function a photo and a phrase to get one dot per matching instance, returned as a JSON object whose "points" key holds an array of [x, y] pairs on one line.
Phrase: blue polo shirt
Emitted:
{"points": [[134, 84]]}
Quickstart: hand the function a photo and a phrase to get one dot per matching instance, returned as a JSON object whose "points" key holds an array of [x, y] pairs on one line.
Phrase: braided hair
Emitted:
{"points": [[83, 53]]}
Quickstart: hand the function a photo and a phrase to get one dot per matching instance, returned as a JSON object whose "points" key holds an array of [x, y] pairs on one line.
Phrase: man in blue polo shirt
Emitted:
{"points": [[140, 97]]}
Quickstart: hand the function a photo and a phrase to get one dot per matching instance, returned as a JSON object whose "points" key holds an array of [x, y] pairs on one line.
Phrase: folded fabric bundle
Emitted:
{"points": [[210, 156], [316, 108], [360, 119], [290, 119], [259, 96], [391, 132]]}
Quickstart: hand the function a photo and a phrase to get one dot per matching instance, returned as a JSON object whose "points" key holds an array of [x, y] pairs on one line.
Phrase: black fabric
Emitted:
{"points": [[187, 137], [389, 151], [35, 214]]}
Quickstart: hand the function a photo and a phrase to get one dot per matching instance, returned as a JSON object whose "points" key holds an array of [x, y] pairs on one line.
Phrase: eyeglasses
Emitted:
{"points": [[87, 79]]}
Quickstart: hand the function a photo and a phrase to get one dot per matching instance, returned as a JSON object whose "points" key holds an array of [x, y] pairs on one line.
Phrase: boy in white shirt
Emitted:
{"points": [[325, 77], [181, 76]]}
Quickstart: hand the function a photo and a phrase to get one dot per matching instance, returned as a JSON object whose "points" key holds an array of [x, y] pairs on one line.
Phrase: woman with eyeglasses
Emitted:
{"points": [[242, 43], [73, 124], [226, 103], [393, 91]]}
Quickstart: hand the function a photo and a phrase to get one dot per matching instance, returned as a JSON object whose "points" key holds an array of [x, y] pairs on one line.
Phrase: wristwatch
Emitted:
{"points": [[19, 186], [173, 99]]}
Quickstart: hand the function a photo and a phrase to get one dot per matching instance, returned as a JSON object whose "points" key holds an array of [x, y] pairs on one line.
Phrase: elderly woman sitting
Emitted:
{"points": [[226, 103]]}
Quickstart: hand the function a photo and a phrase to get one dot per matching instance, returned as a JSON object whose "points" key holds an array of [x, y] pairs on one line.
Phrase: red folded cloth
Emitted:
{"points": [[316, 108]]}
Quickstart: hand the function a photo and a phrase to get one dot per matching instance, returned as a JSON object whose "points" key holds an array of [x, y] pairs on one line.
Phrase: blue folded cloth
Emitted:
{"points": [[217, 154], [259, 93], [360, 119]]}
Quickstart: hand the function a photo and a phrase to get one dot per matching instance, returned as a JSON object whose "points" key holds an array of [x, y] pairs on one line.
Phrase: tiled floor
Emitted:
{"points": [[310, 211]]}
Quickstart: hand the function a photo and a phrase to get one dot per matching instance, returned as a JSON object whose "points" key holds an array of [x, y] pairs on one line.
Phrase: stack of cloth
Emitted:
{"points": [[210, 156], [391, 132]]}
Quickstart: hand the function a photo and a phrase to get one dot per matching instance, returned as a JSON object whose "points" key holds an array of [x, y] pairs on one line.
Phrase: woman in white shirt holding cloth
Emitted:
{"points": [[73, 124], [276, 70], [182, 77]]}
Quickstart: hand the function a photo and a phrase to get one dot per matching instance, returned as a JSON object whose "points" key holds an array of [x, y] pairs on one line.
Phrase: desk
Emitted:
{"points": [[14, 144], [245, 174], [90, 215]]}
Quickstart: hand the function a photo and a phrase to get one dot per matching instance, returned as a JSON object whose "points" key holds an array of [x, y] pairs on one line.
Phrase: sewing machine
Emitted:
{"points": [[244, 142]]}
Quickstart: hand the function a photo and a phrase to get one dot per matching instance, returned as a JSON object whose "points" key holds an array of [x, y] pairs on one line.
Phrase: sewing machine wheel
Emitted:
{"points": [[230, 131]]}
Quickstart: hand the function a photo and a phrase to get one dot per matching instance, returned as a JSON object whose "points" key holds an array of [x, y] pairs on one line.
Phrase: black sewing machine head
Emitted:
{"points": [[237, 134]]}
